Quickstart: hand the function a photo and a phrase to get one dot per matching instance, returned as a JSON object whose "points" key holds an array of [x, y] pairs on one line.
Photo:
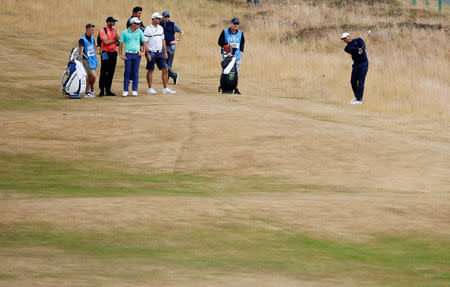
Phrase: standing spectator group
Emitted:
{"points": [[157, 44]]}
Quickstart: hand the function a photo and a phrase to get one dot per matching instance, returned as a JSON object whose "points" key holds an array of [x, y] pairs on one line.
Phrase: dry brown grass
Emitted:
{"points": [[354, 217], [292, 50], [78, 272], [381, 168]]}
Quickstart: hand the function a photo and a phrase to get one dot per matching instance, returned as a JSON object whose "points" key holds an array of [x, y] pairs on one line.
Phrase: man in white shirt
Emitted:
{"points": [[156, 53]]}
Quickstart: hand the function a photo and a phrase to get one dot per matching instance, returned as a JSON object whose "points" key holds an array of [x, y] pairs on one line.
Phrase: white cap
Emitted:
{"points": [[135, 20], [345, 35], [156, 15]]}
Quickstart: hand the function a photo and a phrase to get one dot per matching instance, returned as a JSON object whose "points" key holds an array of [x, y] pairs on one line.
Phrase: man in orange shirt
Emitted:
{"points": [[110, 38]]}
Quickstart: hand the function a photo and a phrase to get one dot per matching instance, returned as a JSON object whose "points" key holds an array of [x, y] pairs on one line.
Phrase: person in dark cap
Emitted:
{"points": [[109, 37], [137, 13], [171, 42], [233, 37], [88, 57]]}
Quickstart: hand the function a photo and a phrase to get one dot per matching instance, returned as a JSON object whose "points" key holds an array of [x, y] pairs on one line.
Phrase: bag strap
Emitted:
{"points": [[106, 33]]}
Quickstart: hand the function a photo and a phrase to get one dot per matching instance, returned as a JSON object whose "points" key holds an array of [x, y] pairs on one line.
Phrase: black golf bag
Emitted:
{"points": [[229, 77]]}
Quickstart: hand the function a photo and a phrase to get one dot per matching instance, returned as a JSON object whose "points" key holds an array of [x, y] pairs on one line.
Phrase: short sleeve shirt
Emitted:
{"points": [[110, 35], [132, 40], [154, 37], [177, 29]]}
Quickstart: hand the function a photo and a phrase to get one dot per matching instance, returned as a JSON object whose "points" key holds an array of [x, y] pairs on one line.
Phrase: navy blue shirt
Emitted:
{"points": [[352, 49]]}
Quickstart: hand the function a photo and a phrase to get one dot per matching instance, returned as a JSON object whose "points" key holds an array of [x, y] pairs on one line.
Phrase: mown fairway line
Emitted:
{"points": [[388, 261], [42, 177]]}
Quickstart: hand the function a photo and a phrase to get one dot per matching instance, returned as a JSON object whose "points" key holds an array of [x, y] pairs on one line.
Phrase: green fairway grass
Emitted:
{"points": [[40, 177], [44, 177], [385, 261]]}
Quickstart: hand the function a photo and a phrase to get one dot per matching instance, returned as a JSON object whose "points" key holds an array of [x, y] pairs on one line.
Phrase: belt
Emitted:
{"points": [[131, 52], [156, 51]]}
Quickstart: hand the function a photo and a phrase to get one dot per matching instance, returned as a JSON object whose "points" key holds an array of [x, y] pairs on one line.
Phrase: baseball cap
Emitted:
{"points": [[166, 13], [135, 20], [235, 20], [89, 26], [111, 19], [345, 35], [156, 15]]}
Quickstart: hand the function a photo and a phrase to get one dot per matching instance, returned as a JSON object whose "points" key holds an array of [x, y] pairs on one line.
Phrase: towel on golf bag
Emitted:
{"points": [[229, 77]]}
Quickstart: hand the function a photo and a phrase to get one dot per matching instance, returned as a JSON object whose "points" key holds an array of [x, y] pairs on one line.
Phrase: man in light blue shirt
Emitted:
{"points": [[131, 38]]}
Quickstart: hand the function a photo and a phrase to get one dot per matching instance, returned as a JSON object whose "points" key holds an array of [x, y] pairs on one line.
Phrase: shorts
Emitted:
{"points": [[157, 58], [88, 69], [238, 65]]}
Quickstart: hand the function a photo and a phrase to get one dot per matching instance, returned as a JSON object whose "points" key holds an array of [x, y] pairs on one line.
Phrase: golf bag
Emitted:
{"points": [[73, 79], [229, 77]]}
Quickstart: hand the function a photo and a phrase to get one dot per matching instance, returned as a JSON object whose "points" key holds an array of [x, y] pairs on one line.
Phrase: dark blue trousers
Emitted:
{"points": [[358, 78], [131, 71]]}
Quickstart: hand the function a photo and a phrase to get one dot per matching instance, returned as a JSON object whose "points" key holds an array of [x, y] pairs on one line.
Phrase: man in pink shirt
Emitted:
{"points": [[109, 37]]}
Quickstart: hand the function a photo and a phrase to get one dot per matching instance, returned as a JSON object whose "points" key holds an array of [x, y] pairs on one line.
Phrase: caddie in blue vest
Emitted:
{"points": [[88, 58], [233, 37]]}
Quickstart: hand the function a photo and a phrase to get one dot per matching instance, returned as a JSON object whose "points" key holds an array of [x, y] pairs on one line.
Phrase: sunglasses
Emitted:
{"points": [[236, 23]]}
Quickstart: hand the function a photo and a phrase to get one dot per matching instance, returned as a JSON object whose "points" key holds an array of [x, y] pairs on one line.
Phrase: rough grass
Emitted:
{"points": [[386, 261]]}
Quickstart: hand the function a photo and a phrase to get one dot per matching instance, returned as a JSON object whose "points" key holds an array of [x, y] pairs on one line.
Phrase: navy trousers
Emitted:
{"points": [[358, 78], [131, 71]]}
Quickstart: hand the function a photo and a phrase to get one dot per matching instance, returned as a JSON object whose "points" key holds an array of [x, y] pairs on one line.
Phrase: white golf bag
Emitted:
{"points": [[73, 79]]}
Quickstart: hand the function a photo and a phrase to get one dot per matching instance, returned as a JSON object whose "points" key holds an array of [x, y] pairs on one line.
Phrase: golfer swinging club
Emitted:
{"points": [[357, 48]]}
